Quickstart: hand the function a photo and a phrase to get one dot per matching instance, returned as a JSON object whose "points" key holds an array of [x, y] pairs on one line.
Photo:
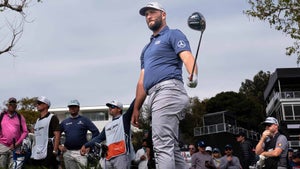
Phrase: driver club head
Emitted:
{"points": [[197, 21]]}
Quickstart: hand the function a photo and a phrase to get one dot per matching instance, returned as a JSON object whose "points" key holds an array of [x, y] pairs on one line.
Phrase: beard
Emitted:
{"points": [[157, 24]]}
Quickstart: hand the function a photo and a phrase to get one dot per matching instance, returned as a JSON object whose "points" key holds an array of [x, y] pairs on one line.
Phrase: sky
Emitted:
{"points": [[90, 50]]}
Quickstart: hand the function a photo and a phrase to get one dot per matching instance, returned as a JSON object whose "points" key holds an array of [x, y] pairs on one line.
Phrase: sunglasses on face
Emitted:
{"points": [[113, 107], [269, 125], [39, 103], [192, 148], [228, 149]]}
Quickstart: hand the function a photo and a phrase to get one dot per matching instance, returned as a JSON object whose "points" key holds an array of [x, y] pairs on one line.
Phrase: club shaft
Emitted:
{"points": [[192, 73]]}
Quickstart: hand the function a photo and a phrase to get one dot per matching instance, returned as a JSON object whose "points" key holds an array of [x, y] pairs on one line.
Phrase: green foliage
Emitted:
{"points": [[26, 107], [247, 111], [193, 119], [284, 15], [144, 126], [254, 89]]}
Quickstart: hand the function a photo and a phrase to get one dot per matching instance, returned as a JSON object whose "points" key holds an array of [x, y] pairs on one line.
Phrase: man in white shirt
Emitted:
{"points": [[142, 156]]}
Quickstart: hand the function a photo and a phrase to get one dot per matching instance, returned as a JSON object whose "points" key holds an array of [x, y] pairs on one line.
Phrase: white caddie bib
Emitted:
{"points": [[115, 138], [41, 131]]}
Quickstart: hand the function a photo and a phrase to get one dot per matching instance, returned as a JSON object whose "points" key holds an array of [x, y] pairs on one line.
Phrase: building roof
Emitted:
{"points": [[282, 74]]}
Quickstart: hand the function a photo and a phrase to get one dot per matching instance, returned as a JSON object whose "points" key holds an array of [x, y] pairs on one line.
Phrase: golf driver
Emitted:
{"points": [[197, 22]]}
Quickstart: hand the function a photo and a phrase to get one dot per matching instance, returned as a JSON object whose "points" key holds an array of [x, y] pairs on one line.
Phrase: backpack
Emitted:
{"points": [[19, 117]]}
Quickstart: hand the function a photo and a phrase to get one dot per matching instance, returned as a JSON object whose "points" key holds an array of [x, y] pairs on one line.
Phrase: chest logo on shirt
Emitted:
{"points": [[157, 42], [68, 123], [80, 122], [181, 44]]}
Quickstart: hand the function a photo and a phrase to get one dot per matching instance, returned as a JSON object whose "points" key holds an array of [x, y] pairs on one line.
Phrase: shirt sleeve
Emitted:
{"points": [[127, 118], [91, 127], [53, 126], [223, 163], [179, 41], [24, 132], [98, 139], [237, 163], [193, 161], [281, 142]]}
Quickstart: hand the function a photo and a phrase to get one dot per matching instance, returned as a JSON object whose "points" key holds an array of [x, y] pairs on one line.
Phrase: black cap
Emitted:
{"points": [[228, 146], [12, 100], [241, 134]]}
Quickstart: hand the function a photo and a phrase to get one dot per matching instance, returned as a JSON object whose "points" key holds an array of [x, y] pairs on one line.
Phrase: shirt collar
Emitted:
{"points": [[166, 28], [114, 118]]}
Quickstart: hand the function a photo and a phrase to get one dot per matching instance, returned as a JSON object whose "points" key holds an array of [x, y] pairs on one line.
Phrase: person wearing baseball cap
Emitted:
{"points": [[208, 149], [229, 160], [47, 136], [161, 79], [247, 155], [13, 131], [216, 156], [76, 128], [116, 104], [117, 136], [273, 146], [202, 159]]}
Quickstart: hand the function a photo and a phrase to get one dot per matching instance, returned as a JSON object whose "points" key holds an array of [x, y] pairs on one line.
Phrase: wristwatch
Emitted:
{"points": [[54, 152]]}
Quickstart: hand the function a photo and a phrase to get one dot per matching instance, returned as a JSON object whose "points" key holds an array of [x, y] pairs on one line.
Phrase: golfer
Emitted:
{"points": [[161, 79]]}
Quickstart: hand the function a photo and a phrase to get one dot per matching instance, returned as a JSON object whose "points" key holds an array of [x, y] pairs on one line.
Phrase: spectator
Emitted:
{"points": [[272, 146], [229, 161], [296, 160], [13, 131], [202, 159], [142, 156], [75, 128], [47, 136], [290, 156], [216, 155], [192, 149], [247, 157], [208, 149]]}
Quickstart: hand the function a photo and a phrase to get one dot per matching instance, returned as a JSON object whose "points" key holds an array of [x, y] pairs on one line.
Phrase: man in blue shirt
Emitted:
{"points": [[161, 79], [75, 128]]}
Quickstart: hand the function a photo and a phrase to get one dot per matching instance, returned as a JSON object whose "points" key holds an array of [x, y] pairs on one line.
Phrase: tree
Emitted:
{"points": [[26, 107], [247, 112], [14, 21], [193, 119], [284, 15], [254, 89]]}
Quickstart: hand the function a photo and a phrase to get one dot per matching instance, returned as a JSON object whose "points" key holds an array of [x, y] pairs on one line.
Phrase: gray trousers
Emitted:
{"points": [[168, 103], [119, 162], [6, 158], [74, 160]]}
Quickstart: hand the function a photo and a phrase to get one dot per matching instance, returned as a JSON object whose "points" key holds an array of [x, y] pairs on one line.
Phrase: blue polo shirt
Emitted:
{"points": [[160, 58], [75, 130]]}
